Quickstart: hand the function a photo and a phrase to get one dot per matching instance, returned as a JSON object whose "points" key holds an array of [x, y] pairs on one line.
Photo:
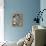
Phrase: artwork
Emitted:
{"points": [[17, 19], [39, 16]]}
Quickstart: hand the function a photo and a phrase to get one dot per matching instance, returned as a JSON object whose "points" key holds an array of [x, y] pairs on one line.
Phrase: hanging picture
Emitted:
{"points": [[17, 19]]}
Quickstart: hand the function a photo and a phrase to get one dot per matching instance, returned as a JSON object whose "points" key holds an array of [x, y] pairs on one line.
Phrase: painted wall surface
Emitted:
{"points": [[28, 8], [43, 6], [1, 20]]}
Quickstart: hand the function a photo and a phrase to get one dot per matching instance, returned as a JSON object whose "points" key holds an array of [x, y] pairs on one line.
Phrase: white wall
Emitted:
{"points": [[43, 6], [1, 20]]}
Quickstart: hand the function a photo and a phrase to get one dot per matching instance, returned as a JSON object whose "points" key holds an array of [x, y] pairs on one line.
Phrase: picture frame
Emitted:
{"points": [[17, 19]]}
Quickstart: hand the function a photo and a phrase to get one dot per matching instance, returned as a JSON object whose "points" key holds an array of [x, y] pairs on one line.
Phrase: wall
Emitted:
{"points": [[1, 21], [28, 8], [43, 6]]}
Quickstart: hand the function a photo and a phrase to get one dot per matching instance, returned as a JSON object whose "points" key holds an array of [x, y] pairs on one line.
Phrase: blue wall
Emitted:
{"points": [[28, 8]]}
